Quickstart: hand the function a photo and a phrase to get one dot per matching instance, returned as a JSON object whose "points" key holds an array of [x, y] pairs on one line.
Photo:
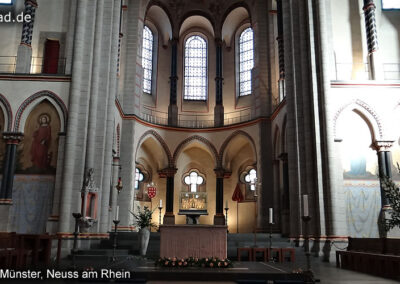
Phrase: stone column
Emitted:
{"points": [[281, 52], [173, 108], [375, 65], [24, 55], [385, 169], [219, 107], [384, 165], [114, 181], [169, 217], [285, 195], [12, 141], [219, 217]]}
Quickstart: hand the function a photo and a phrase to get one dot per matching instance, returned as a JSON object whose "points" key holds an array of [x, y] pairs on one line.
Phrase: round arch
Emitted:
{"points": [[8, 116], [200, 139], [227, 141], [30, 103], [160, 140], [367, 114]]}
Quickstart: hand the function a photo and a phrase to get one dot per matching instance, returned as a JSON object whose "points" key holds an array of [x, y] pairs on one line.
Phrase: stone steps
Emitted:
{"points": [[128, 245]]}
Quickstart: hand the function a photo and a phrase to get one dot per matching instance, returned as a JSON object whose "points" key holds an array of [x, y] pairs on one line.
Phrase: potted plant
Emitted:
{"points": [[143, 222]]}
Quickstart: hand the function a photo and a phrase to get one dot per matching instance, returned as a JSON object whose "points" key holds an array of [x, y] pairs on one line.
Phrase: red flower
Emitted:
{"points": [[211, 264]]}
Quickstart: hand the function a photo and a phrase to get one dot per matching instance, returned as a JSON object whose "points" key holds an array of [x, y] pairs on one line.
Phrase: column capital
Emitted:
{"points": [[382, 145], [222, 173], [167, 172], [13, 137], [31, 2], [369, 4]]}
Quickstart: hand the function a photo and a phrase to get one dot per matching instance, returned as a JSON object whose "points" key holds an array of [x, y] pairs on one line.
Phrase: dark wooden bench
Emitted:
{"points": [[380, 257]]}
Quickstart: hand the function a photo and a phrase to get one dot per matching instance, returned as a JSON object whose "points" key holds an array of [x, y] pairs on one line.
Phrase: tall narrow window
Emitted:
{"points": [[138, 178], [147, 59], [246, 61], [195, 69]]}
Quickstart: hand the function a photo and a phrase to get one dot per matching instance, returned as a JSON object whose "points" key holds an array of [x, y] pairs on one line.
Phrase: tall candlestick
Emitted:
{"points": [[305, 205], [226, 203], [160, 203], [117, 213], [271, 215]]}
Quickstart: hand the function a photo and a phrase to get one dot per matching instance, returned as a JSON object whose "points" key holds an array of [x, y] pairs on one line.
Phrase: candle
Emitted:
{"points": [[305, 205], [117, 213], [160, 203], [271, 216], [226, 203]]}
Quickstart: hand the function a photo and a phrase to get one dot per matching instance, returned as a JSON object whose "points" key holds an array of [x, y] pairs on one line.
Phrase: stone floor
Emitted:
{"points": [[325, 272]]}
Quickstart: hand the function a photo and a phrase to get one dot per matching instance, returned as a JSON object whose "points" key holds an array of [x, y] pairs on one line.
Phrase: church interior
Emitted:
{"points": [[270, 119]]}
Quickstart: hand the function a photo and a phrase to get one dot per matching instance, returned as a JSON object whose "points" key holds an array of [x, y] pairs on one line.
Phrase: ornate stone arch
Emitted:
{"points": [[229, 139], [367, 113], [201, 139], [34, 100], [160, 140], [8, 117]]}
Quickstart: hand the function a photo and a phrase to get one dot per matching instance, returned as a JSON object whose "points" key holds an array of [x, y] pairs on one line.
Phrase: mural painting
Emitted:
{"points": [[36, 168], [37, 153]]}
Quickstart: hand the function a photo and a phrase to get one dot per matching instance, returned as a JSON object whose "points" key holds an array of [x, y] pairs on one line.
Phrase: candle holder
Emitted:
{"points": [[271, 257], [308, 272], [77, 216], [226, 218], [159, 218], [116, 222]]}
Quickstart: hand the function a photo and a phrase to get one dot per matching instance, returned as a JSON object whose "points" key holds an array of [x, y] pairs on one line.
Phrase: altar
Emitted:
{"points": [[200, 241]]}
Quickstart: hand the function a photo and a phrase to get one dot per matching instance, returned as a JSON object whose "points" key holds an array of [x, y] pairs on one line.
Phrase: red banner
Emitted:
{"points": [[151, 191], [237, 194]]}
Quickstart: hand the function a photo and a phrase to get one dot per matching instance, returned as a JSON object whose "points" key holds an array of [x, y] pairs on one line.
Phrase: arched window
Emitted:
{"points": [[246, 61], [251, 179], [195, 69], [193, 179], [147, 59], [138, 178]]}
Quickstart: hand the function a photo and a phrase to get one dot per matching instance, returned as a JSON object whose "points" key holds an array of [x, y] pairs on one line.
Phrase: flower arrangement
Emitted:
{"points": [[211, 262], [143, 217]]}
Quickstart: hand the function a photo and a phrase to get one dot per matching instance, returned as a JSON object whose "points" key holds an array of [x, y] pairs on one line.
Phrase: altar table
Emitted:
{"points": [[200, 241]]}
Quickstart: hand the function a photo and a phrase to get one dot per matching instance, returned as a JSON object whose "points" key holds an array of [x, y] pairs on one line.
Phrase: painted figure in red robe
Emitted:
{"points": [[41, 143]]}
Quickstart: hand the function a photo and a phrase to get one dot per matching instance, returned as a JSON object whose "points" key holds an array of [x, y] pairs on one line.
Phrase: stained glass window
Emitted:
{"points": [[390, 4], [193, 180], [246, 61], [195, 69], [138, 178], [147, 59]]}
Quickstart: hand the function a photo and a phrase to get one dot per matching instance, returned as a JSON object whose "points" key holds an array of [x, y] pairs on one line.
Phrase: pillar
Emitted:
{"points": [[285, 195], [385, 169], [173, 108], [219, 107], [12, 141], [372, 40], [24, 56], [169, 217], [219, 217], [384, 165], [281, 52]]}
